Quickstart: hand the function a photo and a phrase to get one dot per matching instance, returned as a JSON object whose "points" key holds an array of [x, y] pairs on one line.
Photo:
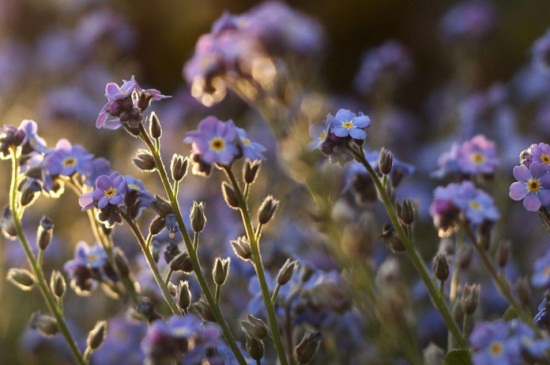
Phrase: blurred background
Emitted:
{"points": [[56, 56]]}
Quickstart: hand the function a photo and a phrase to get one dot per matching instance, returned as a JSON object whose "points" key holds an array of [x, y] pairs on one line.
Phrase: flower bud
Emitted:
{"points": [[285, 273], [145, 161], [221, 270], [391, 239], [29, 191], [255, 348], [405, 212], [255, 327], [182, 262], [21, 278], [250, 170], [162, 207], [230, 196], [57, 284], [242, 248], [308, 346], [385, 161], [121, 263], [157, 225], [96, 335], [45, 231], [155, 129], [45, 323], [185, 296], [178, 167], [469, 299], [197, 217], [7, 224], [441, 267], [267, 209], [203, 310], [503, 254]]}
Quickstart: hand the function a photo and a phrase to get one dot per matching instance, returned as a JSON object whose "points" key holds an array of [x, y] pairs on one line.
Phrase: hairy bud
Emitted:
{"points": [[391, 239], [230, 196], [96, 335], [45, 232], [250, 171], [307, 348], [184, 298], [21, 278], [145, 161], [197, 217], [469, 299], [441, 267], [242, 248], [221, 270], [267, 209], [46, 324], [203, 310], [285, 273], [255, 327], [57, 284], [178, 167], [155, 129], [255, 348], [385, 161]]}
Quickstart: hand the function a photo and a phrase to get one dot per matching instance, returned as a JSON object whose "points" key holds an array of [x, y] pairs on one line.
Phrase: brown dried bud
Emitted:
{"points": [[57, 284], [21, 278], [182, 262], [203, 310], [255, 348], [470, 296], [162, 207], [405, 212], [391, 239], [221, 270], [184, 299], [157, 225], [308, 346], [255, 327], [285, 273]]}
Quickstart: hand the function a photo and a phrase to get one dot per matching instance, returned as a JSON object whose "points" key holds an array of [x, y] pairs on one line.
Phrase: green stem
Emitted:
{"points": [[172, 197], [253, 239], [37, 271], [419, 265]]}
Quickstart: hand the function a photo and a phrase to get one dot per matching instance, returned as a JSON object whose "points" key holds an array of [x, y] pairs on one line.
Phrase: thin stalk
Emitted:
{"points": [[172, 197], [37, 271], [419, 265], [258, 266]]}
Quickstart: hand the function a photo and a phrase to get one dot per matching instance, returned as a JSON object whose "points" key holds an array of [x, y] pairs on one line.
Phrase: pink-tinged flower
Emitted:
{"points": [[533, 186], [477, 156], [346, 123], [110, 190], [214, 141]]}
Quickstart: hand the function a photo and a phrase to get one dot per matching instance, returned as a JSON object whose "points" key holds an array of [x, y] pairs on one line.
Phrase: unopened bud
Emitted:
{"points": [[385, 161], [182, 262], [29, 191], [267, 209], [503, 253], [145, 161], [469, 299], [45, 323], [21, 278], [242, 248], [154, 126], [405, 212], [7, 224], [45, 232], [179, 166], [523, 290], [255, 348], [221, 270], [162, 207], [307, 348], [250, 170], [96, 335], [230, 196], [184, 299], [157, 225], [57, 284], [197, 217], [391, 239], [285, 273], [203, 310], [121, 263], [255, 327], [441, 267]]}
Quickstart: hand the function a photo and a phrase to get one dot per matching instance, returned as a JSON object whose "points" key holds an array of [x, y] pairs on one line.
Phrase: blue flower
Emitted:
{"points": [[491, 345], [477, 205], [87, 267], [345, 123], [533, 186], [251, 150], [110, 190], [214, 141]]}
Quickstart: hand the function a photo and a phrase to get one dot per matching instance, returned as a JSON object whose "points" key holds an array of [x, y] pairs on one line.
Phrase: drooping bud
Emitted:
{"points": [[230, 196], [145, 161], [96, 335], [285, 273], [184, 298], [45, 232], [267, 209], [308, 346], [162, 207], [255, 348], [405, 212], [469, 299], [21, 278], [29, 191], [203, 310], [255, 327], [154, 126], [503, 253], [197, 217], [178, 167], [182, 262], [385, 161], [391, 239], [250, 170], [57, 284], [46, 324], [221, 270], [242, 248], [7, 224], [441, 267]]}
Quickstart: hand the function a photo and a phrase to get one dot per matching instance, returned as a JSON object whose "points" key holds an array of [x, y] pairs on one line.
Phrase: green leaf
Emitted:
{"points": [[458, 357]]}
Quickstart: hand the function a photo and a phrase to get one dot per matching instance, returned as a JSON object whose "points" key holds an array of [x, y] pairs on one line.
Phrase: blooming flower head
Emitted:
{"points": [[540, 153], [346, 123], [443, 210], [110, 190], [477, 205], [251, 150], [214, 141], [87, 267], [66, 160], [533, 186], [11, 137], [491, 344]]}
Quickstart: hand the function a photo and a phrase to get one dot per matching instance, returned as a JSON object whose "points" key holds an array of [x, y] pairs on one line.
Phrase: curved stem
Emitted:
{"points": [[419, 265], [37, 270], [172, 197], [253, 238]]}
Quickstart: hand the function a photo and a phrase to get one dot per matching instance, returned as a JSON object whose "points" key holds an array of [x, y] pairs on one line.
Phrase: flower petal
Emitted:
{"points": [[518, 191]]}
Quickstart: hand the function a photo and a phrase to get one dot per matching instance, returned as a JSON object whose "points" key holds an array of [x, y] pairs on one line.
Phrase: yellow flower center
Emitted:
{"points": [[547, 271], [69, 161], [134, 186], [217, 144], [496, 348], [545, 159], [533, 185], [110, 192], [474, 205], [245, 141], [92, 257], [323, 136], [477, 158], [348, 125]]}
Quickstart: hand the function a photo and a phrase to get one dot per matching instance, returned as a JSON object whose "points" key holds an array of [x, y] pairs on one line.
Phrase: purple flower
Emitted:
{"points": [[491, 344], [251, 150], [214, 141], [531, 346], [67, 160], [35, 142], [87, 267], [540, 153], [145, 198], [345, 123], [110, 190], [541, 276], [532, 186], [477, 205], [476, 156]]}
